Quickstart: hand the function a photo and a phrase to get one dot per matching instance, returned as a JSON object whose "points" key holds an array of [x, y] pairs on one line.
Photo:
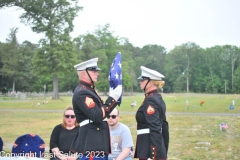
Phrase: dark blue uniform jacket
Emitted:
{"points": [[87, 105], [152, 114]]}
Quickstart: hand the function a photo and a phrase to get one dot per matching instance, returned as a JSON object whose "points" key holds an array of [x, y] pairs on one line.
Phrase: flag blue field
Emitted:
{"points": [[115, 74]]}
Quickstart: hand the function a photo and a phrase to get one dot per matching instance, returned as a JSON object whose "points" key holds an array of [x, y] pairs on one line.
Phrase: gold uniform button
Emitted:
{"points": [[109, 104], [106, 107], [98, 129], [152, 152]]}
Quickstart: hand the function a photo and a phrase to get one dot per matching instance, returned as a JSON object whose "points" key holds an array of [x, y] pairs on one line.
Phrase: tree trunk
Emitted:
{"points": [[13, 88], [55, 87], [187, 74], [233, 63]]}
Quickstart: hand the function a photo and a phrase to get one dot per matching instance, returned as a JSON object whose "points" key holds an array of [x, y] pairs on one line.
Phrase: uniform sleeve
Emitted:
{"points": [[151, 113], [92, 107], [165, 129], [54, 139], [109, 105]]}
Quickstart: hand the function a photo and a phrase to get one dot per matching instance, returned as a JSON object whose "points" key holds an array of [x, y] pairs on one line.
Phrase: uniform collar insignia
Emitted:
{"points": [[89, 85]]}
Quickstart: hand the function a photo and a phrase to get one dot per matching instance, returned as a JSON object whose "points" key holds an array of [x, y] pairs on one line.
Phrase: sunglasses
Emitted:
{"points": [[143, 79], [68, 116], [112, 116]]}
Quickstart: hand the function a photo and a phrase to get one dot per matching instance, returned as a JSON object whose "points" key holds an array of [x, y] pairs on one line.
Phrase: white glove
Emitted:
{"points": [[115, 93]]}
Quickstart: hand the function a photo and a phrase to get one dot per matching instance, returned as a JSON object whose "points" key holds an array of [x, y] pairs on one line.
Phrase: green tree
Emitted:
{"points": [[17, 63], [128, 66], [222, 63], [111, 45], [237, 81], [54, 18], [213, 62], [182, 66], [234, 54], [87, 47], [154, 56], [27, 52], [10, 58], [151, 56], [102, 44], [4, 80]]}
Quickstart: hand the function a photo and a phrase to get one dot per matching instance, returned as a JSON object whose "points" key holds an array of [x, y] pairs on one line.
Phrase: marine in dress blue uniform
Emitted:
{"points": [[93, 138], [152, 126]]}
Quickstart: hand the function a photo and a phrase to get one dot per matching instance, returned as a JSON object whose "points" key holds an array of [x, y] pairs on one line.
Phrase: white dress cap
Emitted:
{"points": [[150, 74], [88, 65]]}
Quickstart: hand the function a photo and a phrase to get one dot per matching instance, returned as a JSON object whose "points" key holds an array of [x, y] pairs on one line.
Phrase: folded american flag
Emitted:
{"points": [[115, 74]]}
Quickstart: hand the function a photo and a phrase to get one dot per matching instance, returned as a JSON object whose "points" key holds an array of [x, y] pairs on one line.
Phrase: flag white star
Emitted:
{"points": [[116, 75], [120, 65]]}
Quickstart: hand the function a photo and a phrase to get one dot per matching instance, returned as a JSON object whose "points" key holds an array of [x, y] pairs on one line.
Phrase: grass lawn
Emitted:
{"points": [[191, 137]]}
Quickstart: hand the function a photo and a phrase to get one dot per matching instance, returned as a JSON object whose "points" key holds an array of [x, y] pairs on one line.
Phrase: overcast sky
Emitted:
{"points": [[164, 22]]}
